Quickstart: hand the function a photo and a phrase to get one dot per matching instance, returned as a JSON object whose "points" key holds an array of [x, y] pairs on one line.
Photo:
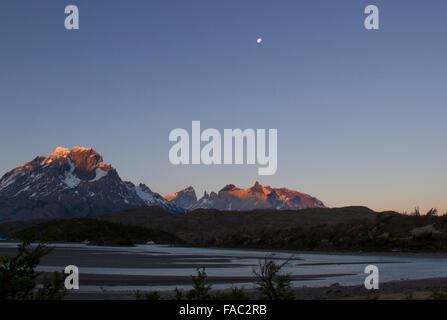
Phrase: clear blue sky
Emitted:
{"points": [[360, 114]]}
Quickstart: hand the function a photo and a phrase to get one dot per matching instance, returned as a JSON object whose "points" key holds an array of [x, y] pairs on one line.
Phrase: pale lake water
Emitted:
{"points": [[325, 269]]}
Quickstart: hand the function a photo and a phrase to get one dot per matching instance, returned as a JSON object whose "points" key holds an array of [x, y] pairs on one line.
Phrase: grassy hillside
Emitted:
{"points": [[205, 224], [320, 229], [385, 233], [80, 229], [349, 228]]}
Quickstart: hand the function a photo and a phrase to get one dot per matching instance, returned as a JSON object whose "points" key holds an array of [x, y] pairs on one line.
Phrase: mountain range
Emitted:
{"points": [[78, 182], [233, 198]]}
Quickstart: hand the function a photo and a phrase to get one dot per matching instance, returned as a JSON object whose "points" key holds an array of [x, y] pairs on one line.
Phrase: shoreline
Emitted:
{"points": [[403, 254], [417, 289]]}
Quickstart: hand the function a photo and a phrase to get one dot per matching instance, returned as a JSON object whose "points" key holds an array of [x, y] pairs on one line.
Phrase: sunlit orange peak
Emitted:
{"points": [[60, 152]]}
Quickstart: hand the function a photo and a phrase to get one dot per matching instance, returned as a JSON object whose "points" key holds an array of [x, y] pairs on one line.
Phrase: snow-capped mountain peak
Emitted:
{"points": [[70, 182]]}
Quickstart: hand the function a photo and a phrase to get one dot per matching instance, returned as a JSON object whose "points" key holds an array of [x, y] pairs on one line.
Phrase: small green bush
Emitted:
{"points": [[437, 294], [18, 278], [271, 283], [201, 288]]}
